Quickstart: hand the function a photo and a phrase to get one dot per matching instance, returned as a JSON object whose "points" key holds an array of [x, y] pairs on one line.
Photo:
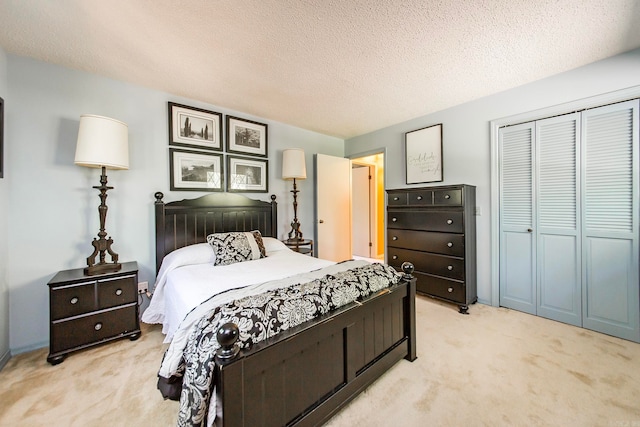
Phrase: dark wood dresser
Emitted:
{"points": [[89, 310], [435, 229]]}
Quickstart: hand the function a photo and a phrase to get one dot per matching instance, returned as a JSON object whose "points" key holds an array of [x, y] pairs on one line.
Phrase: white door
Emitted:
{"points": [[361, 202], [333, 207]]}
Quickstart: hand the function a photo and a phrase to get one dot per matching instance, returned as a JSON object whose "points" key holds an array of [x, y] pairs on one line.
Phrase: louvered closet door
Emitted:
{"points": [[558, 230], [610, 224], [517, 243]]}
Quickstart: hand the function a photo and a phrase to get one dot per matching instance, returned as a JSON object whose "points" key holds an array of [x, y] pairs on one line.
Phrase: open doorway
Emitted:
{"points": [[367, 198]]}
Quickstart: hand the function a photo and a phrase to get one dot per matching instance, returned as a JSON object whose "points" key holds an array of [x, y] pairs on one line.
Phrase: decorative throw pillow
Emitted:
{"points": [[238, 246]]}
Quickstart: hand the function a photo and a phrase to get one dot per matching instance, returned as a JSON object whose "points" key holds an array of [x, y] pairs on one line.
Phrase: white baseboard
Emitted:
{"points": [[4, 359]]}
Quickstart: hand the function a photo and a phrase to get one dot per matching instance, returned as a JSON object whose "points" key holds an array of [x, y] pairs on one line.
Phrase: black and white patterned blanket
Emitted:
{"points": [[262, 316]]}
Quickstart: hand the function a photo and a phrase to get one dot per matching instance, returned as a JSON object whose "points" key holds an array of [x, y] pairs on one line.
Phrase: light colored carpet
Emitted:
{"points": [[495, 367]]}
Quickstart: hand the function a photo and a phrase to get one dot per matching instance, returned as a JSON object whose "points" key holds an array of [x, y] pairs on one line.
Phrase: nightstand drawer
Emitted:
{"points": [[71, 300], [117, 291], [90, 329]]}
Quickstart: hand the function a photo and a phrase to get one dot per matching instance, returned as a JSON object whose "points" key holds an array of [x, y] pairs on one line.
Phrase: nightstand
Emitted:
{"points": [[304, 246], [89, 310]]}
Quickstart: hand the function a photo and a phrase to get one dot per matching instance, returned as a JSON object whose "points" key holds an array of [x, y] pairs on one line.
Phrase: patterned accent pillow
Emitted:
{"points": [[237, 246]]}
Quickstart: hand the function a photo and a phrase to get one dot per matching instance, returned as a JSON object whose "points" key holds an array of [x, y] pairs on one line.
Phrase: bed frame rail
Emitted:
{"points": [[272, 385]]}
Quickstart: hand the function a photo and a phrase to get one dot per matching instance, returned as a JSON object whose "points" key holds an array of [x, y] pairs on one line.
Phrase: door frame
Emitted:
{"points": [[582, 104], [375, 237], [371, 188]]}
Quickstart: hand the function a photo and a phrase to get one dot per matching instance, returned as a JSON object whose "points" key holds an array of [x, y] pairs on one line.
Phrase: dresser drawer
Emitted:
{"points": [[446, 221], [420, 198], [447, 197], [439, 265], [441, 243], [440, 287], [397, 198], [117, 291], [83, 330], [71, 300]]}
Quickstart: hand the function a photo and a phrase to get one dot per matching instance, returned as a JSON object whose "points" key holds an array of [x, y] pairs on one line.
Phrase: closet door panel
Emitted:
{"points": [[558, 268], [610, 204], [517, 245]]}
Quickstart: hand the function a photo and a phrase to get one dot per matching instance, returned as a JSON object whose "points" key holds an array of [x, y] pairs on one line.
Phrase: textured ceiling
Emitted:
{"points": [[339, 67]]}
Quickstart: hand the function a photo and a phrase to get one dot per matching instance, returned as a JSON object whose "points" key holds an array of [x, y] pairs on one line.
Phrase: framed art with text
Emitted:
{"points": [[423, 151], [195, 170], [246, 137], [247, 174], [194, 127]]}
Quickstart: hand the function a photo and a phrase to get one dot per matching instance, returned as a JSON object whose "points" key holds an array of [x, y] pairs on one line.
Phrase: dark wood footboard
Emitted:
{"points": [[304, 376]]}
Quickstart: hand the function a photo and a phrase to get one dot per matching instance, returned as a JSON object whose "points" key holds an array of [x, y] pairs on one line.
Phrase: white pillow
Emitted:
{"points": [[200, 253], [272, 244]]}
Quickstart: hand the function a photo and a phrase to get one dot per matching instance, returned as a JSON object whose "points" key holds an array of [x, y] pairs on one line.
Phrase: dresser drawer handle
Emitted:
{"points": [[419, 197], [394, 219], [450, 290], [394, 238], [74, 300], [98, 326], [449, 221], [118, 292], [446, 196], [396, 198], [449, 267], [450, 244], [395, 257]]}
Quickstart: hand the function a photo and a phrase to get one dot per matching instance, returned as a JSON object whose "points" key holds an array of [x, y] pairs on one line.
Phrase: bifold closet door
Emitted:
{"points": [[517, 208], [610, 227]]}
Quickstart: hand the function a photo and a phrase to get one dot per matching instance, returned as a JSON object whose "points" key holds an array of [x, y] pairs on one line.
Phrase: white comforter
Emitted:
{"points": [[187, 277]]}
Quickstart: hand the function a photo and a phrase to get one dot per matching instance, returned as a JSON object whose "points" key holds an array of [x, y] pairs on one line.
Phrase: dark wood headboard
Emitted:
{"points": [[189, 221]]}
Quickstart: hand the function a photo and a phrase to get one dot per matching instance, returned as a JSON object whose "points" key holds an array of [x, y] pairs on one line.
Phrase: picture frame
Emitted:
{"points": [[247, 137], [1, 137], [423, 155], [195, 170], [247, 175], [203, 127]]}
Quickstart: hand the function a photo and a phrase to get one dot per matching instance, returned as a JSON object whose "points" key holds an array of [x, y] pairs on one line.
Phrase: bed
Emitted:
{"points": [[302, 375]]}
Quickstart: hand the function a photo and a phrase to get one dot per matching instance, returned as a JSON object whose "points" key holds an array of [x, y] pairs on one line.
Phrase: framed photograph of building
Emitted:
{"points": [[195, 171], [246, 137], [247, 175], [194, 127], [423, 150]]}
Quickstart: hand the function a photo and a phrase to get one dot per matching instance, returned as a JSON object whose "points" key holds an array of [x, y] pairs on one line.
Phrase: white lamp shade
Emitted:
{"points": [[102, 142], [293, 164]]}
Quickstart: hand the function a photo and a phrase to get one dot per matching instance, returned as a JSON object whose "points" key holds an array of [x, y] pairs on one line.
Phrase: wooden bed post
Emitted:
{"points": [[159, 211], [410, 310]]}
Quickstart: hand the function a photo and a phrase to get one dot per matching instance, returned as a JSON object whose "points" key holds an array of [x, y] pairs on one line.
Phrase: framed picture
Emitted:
{"points": [[247, 175], [194, 127], [246, 137], [195, 170], [423, 150], [1, 138]]}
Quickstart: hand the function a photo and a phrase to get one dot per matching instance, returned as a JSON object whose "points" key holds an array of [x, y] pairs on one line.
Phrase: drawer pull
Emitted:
{"points": [[74, 300], [449, 267], [449, 221], [98, 326], [396, 198], [395, 257], [450, 244], [419, 197], [446, 196], [394, 219], [118, 292], [394, 238], [449, 290]]}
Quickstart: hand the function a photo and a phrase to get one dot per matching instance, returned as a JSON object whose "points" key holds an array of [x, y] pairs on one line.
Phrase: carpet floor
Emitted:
{"points": [[495, 367]]}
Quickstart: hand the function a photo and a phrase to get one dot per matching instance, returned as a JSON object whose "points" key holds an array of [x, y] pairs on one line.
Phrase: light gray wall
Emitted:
{"points": [[52, 208], [4, 290], [466, 135]]}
